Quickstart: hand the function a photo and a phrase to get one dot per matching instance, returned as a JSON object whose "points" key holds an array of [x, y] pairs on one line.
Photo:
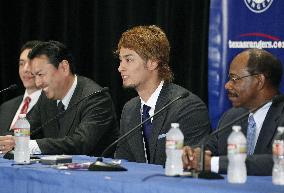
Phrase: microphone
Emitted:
{"points": [[11, 87], [212, 175], [99, 165], [10, 155], [58, 115]]}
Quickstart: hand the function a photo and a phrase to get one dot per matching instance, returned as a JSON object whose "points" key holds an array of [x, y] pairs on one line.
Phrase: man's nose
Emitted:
{"points": [[228, 85], [121, 66], [27, 67], [38, 82]]}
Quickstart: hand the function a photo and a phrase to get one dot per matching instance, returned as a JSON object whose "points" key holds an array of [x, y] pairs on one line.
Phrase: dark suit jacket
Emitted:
{"points": [[260, 163], [190, 112], [88, 128], [7, 112]]}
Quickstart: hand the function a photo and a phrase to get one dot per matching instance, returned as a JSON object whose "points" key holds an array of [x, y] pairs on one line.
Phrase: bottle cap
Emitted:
{"points": [[236, 128], [280, 129], [22, 116], [175, 125]]}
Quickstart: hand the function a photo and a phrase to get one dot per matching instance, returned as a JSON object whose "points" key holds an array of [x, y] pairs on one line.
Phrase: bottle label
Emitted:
{"points": [[21, 132], [278, 148], [174, 144], [237, 148]]}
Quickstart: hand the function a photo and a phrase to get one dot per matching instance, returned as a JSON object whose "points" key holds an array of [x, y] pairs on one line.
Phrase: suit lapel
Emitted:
{"points": [[244, 125], [136, 140], [69, 115], [11, 114], [51, 111], [159, 120], [268, 129], [16, 105]]}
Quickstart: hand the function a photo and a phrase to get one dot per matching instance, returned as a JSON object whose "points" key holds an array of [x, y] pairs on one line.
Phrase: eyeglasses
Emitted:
{"points": [[235, 78]]}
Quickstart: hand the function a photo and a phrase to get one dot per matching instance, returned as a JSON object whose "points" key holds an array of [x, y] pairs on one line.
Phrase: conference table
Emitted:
{"points": [[140, 178]]}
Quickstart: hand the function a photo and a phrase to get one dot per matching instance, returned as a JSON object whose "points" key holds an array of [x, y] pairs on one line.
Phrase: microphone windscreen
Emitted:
{"points": [[13, 87], [185, 94]]}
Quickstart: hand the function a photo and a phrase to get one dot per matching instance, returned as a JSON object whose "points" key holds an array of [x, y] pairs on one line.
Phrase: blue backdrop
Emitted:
{"points": [[235, 26]]}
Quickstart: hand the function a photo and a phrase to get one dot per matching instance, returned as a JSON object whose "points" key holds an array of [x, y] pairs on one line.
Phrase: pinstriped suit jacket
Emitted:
{"points": [[190, 112]]}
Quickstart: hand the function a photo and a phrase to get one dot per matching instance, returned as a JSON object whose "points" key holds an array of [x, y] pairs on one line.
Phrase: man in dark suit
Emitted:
{"points": [[10, 110], [254, 79], [86, 124], [144, 65]]}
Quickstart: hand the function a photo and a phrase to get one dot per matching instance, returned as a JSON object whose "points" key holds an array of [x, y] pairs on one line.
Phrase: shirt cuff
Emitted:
{"points": [[215, 164], [33, 146]]}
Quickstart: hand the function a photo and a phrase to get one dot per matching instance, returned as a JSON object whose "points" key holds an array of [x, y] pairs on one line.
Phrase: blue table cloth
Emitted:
{"points": [[140, 178]]}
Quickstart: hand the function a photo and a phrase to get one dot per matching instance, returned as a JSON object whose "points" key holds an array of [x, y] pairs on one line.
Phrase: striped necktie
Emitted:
{"points": [[25, 107]]}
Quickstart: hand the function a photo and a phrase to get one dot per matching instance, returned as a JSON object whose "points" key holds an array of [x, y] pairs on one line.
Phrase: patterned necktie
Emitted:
{"points": [[147, 126], [251, 135], [25, 107]]}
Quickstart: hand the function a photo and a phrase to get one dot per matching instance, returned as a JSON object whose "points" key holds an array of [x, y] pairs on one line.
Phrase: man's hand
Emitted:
{"points": [[7, 143], [190, 158]]}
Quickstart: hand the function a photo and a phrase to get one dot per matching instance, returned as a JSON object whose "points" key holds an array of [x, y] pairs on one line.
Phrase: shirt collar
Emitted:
{"points": [[154, 97], [68, 96], [34, 98], [260, 115]]}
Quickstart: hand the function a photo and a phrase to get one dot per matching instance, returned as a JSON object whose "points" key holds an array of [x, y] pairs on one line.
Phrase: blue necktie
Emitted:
{"points": [[251, 135], [147, 126]]}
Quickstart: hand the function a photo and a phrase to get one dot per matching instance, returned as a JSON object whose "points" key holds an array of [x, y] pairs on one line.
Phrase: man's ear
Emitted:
{"points": [[261, 80], [152, 64], [64, 66]]}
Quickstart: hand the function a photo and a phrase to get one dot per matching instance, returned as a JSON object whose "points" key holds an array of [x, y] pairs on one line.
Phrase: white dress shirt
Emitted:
{"points": [[152, 100], [259, 117], [33, 146]]}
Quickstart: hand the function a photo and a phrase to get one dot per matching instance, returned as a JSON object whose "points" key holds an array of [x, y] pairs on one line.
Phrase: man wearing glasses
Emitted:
{"points": [[254, 79]]}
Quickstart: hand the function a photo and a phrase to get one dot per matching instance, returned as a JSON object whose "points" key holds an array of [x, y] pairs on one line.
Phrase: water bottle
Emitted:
{"points": [[22, 139], [174, 145], [237, 148], [278, 158]]}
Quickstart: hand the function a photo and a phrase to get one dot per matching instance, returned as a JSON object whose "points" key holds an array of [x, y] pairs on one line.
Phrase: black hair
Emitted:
{"points": [[263, 62], [55, 51], [29, 45]]}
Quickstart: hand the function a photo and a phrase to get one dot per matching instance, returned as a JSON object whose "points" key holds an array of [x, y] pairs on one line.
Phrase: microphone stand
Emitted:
{"points": [[212, 175], [99, 165]]}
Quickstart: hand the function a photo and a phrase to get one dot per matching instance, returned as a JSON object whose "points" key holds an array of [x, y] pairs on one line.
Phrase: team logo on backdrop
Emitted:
{"points": [[258, 6]]}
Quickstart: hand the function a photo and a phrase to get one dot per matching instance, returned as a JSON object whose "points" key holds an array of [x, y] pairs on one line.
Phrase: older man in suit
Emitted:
{"points": [[144, 65], [254, 79], [85, 122]]}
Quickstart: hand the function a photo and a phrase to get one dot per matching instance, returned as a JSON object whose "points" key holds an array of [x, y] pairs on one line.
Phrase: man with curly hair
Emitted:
{"points": [[144, 66]]}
